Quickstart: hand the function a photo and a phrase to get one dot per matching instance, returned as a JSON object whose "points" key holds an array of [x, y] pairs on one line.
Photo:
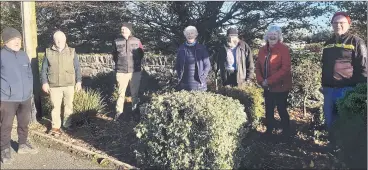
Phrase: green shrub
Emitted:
{"points": [[40, 57], [105, 83], [190, 130], [306, 71], [350, 129], [46, 105], [87, 101], [306, 84], [252, 99]]}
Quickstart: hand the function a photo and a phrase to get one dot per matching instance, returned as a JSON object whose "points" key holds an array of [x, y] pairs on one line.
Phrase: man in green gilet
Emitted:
{"points": [[61, 76]]}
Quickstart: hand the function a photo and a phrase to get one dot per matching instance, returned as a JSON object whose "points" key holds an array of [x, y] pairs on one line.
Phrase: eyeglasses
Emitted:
{"points": [[338, 23]]}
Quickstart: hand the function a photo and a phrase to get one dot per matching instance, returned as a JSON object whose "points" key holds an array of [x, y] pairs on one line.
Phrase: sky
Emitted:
{"points": [[322, 22]]}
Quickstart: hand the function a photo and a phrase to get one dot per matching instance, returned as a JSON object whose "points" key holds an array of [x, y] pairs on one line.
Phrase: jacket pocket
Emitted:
{"points": [[52, 78], [6, 88], [70, 77]]}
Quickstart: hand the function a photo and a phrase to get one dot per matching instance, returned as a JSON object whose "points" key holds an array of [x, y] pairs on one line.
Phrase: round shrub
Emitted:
{"points": [[251, 97], [350, 129], [190, 130]]}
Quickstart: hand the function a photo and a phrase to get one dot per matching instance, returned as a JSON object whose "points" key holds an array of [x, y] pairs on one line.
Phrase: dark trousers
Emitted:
{"points": [[278, 99], [7, 112], [231, 79]]}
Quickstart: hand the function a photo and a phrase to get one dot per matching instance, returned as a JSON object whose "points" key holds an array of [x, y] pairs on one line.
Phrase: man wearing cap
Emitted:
{"points": [[344, 64], [235, 60], [60, 76], [16, 91], [127, 54]]}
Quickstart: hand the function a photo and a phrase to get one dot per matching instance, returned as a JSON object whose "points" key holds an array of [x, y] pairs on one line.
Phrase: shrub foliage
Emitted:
{"points": [[190, 130], [351, 127], [306, 71], [251, 97]]}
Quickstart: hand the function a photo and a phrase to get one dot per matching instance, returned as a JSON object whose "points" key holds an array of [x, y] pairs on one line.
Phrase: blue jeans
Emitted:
{"points": [[331, 95]]}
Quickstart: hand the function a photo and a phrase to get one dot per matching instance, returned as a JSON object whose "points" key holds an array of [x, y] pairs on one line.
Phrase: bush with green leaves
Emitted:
{"points": [[105, 83], [306, 72], [251, 96], [88, 101], [350, 128], [190, 130], [306, 85]]}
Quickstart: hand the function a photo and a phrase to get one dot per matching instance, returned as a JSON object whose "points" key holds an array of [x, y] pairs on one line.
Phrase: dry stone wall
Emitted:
{"points": [[92, 64]]}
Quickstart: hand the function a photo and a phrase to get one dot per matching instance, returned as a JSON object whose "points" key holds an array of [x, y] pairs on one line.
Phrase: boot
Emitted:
{"points": [[6, 156]]}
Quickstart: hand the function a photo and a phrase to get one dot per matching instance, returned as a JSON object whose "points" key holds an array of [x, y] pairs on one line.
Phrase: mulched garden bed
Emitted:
{"points": [[117, 139]]}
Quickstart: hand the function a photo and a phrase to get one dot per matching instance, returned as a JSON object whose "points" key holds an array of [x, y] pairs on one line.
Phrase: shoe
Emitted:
{"points": [[6, 156], [55, 132], [27, 148]]}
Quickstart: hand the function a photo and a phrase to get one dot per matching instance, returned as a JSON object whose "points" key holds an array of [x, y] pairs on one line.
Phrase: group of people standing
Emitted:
{"points": [[344, 65]]}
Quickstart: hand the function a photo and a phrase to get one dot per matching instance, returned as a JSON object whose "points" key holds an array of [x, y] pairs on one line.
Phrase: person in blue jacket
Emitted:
{"points": [[192, 63], [16, 91]]}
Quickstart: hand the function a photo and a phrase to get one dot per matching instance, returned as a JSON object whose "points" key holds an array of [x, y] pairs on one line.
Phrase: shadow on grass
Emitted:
{"points": [[278, 152]]}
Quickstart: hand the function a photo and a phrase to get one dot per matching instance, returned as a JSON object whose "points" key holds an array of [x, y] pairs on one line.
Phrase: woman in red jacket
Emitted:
{"points": [[273, 72]]}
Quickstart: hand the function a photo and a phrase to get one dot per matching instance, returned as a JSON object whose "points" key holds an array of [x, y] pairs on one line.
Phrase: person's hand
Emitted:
{"points": [[265, 83], [78, 86], [46, 88]]}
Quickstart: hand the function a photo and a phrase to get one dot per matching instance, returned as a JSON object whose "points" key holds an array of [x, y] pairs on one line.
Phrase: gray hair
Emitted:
{"points": [[189, 29], [274, 28]]}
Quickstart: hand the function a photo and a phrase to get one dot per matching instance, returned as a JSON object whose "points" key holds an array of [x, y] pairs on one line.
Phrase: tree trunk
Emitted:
{"points": [[304, 105]]}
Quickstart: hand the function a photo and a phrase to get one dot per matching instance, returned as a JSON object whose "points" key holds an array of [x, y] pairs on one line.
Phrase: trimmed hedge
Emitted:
{"points": [[190, 130], [350, 129], [252, 99]]}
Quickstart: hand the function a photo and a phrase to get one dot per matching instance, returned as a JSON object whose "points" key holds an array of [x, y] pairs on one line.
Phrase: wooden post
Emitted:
{"points": [[29, 26]]}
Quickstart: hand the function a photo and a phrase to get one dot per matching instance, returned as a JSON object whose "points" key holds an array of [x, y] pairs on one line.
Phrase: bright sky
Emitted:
{"points": [[322, 22]]}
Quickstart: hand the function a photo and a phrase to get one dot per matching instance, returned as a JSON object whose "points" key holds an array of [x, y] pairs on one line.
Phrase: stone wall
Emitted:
{"points": [[91, 64]]}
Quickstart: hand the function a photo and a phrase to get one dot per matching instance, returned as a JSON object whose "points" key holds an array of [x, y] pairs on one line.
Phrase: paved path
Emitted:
{"points": [[47, 158]]}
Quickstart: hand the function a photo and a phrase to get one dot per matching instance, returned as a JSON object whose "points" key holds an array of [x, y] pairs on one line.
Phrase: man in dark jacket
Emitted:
{"points": [[344, 64], [235, 60], [16, 91], [127, 54]]}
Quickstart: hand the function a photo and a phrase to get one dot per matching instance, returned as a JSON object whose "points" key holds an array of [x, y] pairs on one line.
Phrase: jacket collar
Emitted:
{"points": [[53, 47], [277, 45], [241, 45], [10, 50], [196, 46]]}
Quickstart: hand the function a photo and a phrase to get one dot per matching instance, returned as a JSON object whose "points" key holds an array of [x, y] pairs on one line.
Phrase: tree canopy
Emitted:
{"points": [[92, 26]]}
